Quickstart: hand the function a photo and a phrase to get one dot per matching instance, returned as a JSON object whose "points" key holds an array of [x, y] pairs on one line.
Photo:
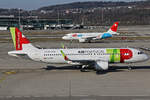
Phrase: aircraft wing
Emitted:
{"points": [[74, 62], [82, 62], [84, 39], [100, 64], [87, 38], [93, 37]]}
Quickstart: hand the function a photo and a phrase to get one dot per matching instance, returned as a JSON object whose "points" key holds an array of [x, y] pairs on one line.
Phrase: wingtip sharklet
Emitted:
{"points": [[65, 57]]}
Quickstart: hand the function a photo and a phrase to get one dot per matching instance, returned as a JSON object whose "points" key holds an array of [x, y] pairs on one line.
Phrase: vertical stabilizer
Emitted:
{"points": [[19, 40], [114, 28]]}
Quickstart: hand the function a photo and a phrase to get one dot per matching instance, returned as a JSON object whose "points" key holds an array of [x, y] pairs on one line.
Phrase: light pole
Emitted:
{"points": [[19, 19]]}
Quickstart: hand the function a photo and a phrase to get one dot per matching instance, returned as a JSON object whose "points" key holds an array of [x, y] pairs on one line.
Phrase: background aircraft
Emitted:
{"points": [[98, 58], [87, 37]]}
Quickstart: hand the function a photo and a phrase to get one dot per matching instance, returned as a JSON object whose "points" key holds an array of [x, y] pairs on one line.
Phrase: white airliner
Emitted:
{"points": [[87, 37], [98, 58]]}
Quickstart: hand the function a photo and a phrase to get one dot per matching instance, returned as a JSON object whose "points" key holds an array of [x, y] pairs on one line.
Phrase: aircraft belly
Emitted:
{"points": [[54, 60], [81, 57]]}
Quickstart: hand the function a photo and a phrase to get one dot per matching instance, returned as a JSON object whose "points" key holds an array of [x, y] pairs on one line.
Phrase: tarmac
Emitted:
{"points": [[25, 79]]}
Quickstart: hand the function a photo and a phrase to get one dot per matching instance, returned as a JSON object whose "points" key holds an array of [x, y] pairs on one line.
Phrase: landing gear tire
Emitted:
{"points": [[78, 67], [89, 41], [101, 72], [98, 72], [82, 70], [129, 68]]}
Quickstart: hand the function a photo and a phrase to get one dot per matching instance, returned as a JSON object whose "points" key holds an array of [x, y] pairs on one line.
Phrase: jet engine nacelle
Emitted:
{"points": [[73, 63], [101, 65], [82, 40]]}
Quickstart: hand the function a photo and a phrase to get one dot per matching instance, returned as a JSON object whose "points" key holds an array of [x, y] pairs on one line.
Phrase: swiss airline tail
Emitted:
{"points": [[19, 40], [113, 28]]}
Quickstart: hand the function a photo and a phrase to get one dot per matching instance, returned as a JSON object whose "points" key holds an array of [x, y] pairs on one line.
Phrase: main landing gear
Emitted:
{"points": [[88, 41], [129, 68], [83, 69], [101, 72]]}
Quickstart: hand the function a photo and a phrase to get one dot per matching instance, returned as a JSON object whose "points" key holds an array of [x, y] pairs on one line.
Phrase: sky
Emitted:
{"points": [[35, 4]]}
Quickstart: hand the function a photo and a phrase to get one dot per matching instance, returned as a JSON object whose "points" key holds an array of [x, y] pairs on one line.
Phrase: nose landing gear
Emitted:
{"points": [[130, 66]]}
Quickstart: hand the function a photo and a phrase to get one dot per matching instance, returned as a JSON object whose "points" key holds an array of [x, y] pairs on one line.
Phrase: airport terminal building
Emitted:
{"points": [[31, 22]]}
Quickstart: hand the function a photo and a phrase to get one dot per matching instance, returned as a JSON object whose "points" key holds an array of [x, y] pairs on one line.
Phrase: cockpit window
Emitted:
{"points": [[140, 52]]}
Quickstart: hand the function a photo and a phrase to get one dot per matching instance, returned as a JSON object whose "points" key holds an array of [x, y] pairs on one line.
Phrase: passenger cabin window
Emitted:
{"points": [[140, 53]]}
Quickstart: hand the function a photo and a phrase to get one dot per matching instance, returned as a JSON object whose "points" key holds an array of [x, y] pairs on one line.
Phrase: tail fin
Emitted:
{"points": [[113, 29], [19, 40]]}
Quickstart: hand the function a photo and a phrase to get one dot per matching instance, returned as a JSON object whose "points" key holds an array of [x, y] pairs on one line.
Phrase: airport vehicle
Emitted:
{"points": [[99, 58], [87, 37]]}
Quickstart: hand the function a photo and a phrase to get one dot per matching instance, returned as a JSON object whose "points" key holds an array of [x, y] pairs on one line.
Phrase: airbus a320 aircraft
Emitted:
{"points": [[87, 37], [98, 58]]}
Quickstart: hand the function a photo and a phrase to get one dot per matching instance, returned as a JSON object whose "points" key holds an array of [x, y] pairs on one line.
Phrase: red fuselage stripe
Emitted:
{"points": [[126, 54]]}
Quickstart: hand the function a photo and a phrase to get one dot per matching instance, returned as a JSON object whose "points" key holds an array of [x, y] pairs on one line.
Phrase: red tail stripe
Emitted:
{"points": [[20, 40], [25, 41]]}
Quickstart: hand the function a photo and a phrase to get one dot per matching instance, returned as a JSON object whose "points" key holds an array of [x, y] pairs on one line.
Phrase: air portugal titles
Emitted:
{"points": [[115, 55]]}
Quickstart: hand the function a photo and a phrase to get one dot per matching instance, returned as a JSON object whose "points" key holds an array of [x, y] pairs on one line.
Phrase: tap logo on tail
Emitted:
{"points": [[18, 38]]}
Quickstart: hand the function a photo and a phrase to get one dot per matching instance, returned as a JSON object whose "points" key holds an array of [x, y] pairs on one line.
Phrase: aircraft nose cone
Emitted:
{"points": [[64, 37], [146, 57]]}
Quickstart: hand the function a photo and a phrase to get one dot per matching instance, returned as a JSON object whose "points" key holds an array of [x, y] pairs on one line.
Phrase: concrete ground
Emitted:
{"points": [[25, 79]]}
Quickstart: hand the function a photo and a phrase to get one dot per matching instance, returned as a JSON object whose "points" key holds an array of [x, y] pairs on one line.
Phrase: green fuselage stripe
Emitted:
{"points": [[114, 55]]}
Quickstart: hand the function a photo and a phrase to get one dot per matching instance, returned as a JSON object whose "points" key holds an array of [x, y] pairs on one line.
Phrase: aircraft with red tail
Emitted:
{"points": [[98, 58], [88, 37]]}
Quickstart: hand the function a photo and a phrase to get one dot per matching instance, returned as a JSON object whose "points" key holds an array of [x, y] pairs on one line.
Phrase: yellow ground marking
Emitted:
{"points": [[6, 74], [10, 72]]}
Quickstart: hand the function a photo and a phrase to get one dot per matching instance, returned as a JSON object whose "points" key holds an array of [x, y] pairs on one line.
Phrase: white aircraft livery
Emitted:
{"points": [[98, 58], [87, 37]]}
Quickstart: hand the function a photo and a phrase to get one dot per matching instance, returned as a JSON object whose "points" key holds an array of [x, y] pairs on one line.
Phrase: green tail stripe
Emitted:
{"points": [[13, 34]]}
